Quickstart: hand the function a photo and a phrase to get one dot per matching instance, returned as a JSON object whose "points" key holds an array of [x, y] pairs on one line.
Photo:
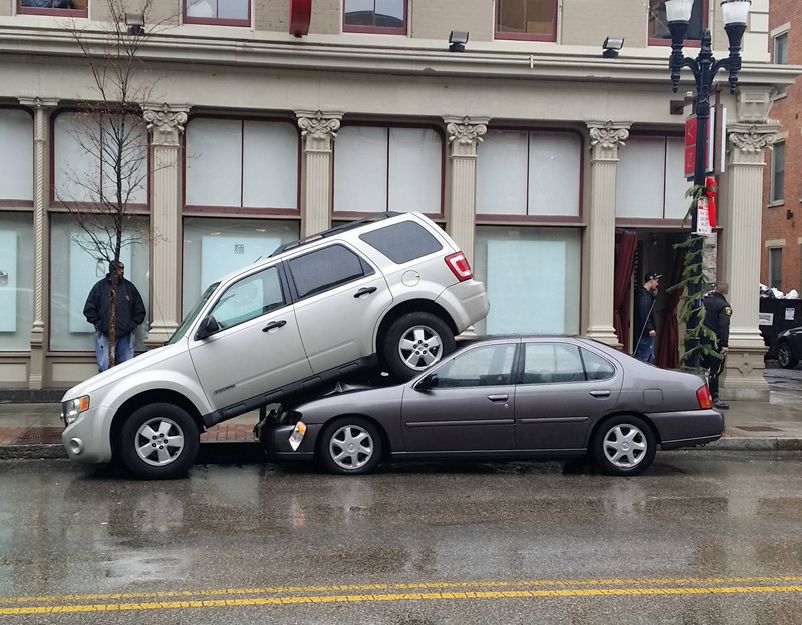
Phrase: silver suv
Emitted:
{"points": [[388, 293]]}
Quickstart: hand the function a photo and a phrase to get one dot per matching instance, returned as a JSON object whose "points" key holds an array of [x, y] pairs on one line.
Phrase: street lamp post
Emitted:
{"points": [[704, 68]]}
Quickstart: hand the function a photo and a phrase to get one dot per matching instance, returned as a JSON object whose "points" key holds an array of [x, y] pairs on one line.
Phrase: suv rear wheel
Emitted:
{"points": [[415, 342], [159, 442]]}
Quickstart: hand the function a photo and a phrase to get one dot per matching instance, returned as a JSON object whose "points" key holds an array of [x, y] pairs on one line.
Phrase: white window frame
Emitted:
{"points": [[777, 33]]}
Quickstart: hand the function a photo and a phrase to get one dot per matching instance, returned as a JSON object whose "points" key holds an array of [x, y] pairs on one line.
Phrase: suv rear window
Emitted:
{"points": [[325, 269], [402, 242]]}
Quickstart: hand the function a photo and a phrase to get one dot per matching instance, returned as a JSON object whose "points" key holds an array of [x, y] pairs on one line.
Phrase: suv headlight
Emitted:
{"points": [[71, 409]]}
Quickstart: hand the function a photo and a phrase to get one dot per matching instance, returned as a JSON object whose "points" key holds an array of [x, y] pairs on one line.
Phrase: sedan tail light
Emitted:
{"points": [[459, 266], [703, 395]]}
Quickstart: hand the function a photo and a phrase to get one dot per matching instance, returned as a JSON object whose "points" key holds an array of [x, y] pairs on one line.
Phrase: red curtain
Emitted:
{"points": [[624, 263], [668, 343]]}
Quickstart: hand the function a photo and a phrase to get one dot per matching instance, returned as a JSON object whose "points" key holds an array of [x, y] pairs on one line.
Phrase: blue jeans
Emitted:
{"points": [[645, 349], [123, 349]]}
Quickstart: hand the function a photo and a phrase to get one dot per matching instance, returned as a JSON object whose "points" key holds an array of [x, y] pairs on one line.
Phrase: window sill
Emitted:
{"points": [[777, 203], [781, 96], [551, 38], [53, 12]]}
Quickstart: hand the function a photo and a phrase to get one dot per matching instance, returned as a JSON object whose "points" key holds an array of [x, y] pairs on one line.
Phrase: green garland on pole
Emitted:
{"points": [[701, 339]]}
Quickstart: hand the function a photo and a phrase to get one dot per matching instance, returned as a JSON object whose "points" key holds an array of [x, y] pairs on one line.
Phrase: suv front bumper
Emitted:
{"points": [[87, 439]]}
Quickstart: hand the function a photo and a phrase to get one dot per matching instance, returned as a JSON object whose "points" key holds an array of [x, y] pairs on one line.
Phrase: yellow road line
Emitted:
{"points": [[228, 603], [406, 586]]}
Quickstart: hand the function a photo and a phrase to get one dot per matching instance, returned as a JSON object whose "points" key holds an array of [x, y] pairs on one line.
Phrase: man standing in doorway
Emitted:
{"points": [[644, 318], [717, 319], [129, 313]]}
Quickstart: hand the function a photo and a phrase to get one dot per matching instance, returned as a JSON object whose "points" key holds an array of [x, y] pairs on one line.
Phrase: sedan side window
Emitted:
{"points": [[250, 298], [326, 269], [482, 366], [550, 363], [597, 367]]}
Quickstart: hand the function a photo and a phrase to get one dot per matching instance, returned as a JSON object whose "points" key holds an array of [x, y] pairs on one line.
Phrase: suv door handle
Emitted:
{"points": [[273, 325], [498, 398], [365, 291], [600, 394]]}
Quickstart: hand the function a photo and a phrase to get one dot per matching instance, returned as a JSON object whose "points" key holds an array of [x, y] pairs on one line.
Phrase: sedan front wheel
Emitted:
{"points": [[624, 445], [350, 446]]}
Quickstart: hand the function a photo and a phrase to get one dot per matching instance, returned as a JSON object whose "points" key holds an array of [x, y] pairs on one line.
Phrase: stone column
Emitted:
{"points": [[318, 130], [41, 108], [464, 136], [605, 139], [165, 123], [741, 239]]}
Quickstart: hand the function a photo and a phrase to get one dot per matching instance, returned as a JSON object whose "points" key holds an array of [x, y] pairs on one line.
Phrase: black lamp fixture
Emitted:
{"points": [[611, 46], [457, 40], [135, 23]]}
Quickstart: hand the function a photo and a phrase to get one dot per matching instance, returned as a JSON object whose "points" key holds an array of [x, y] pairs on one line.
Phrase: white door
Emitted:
{"points": [[258, 348], [340, 298]]}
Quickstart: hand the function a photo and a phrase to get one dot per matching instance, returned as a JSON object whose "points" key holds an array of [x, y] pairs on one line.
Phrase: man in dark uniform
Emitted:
{"points": [[717, 319], [644, 318]]}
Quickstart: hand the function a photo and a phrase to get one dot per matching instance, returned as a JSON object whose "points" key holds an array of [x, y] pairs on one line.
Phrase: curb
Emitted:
{"points": [[741, 443]]}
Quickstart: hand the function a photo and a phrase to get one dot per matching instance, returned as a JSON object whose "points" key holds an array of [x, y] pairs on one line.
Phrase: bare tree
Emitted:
{"points": [[108, 182]]}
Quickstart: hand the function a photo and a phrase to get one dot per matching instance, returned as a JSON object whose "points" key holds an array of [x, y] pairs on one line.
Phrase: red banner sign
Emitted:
{"points": [[300, 16]]}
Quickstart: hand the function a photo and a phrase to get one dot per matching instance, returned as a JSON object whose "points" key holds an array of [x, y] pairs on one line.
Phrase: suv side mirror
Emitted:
{"points": [[427, 383], [207, 327]]}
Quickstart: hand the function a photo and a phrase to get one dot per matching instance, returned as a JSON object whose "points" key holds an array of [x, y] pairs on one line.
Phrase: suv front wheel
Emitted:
{"points": [[415, 342]]}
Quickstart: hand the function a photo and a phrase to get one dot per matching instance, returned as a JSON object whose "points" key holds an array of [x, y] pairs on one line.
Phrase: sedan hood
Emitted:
{"points": [[348, 399]]}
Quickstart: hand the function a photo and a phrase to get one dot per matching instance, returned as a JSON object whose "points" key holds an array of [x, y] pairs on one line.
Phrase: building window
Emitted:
{"points": [[74, 8], [214, 248], [529, 173], [526, 19], [239, 165], [219, 12], [16, 157], [84, 158], [16, 281], [658, 24], [375, 16], [650, 179], [547, 261], [377, 169], [776, 268], [781, 56], [75, 267], [777, 172]]}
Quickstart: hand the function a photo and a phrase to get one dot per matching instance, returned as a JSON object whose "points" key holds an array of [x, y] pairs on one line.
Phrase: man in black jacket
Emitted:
{"points": [[129, 313], [717, 319], [644, 318]]}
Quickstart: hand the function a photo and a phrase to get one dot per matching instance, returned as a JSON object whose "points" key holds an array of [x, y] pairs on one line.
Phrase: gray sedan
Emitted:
{"points": [[506, 398]]}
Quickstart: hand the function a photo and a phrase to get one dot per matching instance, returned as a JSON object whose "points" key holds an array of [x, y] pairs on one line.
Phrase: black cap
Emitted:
{"points": [[652, 276]]}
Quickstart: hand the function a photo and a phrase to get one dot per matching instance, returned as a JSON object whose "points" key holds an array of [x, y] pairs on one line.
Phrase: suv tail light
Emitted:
{"points": [[703, 395], [460, 266]]}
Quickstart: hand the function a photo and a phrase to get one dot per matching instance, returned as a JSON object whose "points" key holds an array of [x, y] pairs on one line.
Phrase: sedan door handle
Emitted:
{"points": [[273, 325], [365, 291], [498, 398], [601, 394]]}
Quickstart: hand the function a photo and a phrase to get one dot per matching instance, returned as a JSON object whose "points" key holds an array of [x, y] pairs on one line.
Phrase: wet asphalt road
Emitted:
{"points": [[417, 544]]}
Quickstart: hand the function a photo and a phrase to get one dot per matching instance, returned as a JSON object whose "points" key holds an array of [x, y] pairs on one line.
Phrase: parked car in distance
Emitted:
{"points": [[505, 398], [393, 290], [789, 348]]}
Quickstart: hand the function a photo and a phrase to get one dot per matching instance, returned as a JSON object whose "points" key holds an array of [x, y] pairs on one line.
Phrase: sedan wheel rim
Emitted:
{"points": [[784, 355], [420, 347], [159, 442], [351, 447], [625, 446]]}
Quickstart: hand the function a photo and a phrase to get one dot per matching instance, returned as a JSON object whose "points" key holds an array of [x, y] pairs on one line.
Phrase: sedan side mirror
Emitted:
{"points": [[427, 383], [207, 327]]}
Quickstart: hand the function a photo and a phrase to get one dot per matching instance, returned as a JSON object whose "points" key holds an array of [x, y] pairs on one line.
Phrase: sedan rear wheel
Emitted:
{"points": [[350, 446], [785, 356], [624, 445]]}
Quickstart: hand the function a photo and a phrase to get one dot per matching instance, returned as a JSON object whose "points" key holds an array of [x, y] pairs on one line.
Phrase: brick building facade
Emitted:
{"points": [[781, 264]]}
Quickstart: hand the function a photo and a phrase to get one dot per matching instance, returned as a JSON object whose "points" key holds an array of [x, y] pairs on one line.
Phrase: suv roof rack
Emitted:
{"points": [[332, 231]]}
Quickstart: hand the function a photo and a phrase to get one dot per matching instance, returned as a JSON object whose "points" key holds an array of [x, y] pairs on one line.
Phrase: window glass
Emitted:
{"points": [[360, 169], [547, 261], [16, 281], [776, 268], [250, 298], [325, 269], [777, 171], [63, 5], [549, 363], [402, 242], [16, 157], [501, 173], [76, 266], [218, 9], [676, 204], [525, 17], [658, 24], [481, 366], [639, 178], [375, 14], [781, 49], [596, 367], [214, 248]]}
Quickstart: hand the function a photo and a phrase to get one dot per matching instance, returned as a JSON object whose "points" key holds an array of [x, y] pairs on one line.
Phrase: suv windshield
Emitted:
{"points": [[182, 329]]}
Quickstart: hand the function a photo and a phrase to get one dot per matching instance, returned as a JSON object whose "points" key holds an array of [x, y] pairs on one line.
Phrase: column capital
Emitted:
{"points": [[37, 102], [166, 122], [318, 129], [465, 134], [747, 142], [606, 138]]}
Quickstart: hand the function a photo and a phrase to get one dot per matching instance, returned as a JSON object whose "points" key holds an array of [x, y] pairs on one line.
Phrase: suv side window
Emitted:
{"points": [[550, 363], [402, 242], [326, 269], [596, 367], [481, 366], [250, 298]]}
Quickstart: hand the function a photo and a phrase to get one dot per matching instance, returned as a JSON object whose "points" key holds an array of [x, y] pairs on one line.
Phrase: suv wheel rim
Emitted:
{"points": [[625, 446], [784, 355], [159, 442], [351, 447], [420, 347]]}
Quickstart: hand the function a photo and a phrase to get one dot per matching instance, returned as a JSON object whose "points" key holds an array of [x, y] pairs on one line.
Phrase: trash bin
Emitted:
{"points": [[777, 316]]}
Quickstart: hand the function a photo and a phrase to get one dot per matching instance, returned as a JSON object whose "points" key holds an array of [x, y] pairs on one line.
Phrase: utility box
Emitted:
{"points": [[777, 316]]}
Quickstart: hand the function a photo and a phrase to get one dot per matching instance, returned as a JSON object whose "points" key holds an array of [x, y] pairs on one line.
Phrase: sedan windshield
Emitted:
{"points": [[190, 318]]}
